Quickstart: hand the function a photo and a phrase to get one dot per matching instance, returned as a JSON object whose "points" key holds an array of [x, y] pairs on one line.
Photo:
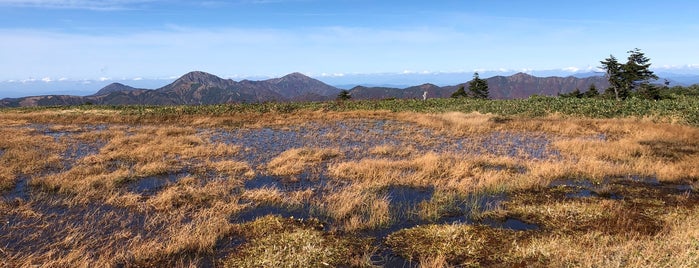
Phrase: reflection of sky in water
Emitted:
{"points": [[357, 137]]}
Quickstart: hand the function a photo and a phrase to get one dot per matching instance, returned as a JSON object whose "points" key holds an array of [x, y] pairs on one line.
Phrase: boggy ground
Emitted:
{"points": [[364, 188]]}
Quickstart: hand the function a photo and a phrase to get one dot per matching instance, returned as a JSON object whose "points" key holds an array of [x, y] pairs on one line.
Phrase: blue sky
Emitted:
{"points": [[133, 39]]}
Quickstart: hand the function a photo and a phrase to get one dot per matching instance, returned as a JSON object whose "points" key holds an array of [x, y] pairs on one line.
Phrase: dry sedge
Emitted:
{"points": [[79, 192], [277, 242], [130, 154], [26, 152], [463, 245], [358, 208], [392, 151], [295, 161]]}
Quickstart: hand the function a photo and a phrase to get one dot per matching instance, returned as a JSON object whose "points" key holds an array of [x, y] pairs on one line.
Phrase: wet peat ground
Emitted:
{"points": [[37, 216]]}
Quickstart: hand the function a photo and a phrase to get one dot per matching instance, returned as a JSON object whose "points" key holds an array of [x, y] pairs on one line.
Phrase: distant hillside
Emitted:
{"points": [[114, 87], [523, 85], [195, 88], [500, 87], [203, 88]]}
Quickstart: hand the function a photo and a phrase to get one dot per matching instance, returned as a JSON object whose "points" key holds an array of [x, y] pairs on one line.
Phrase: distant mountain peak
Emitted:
{"points": [[295, 74], [113, 87], [198, 77], [298, 84], [292, 77], [521, 74], [195, 80]]}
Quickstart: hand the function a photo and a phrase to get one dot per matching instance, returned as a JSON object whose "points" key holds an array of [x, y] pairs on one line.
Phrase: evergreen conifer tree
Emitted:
{"points": [[478, 87]]}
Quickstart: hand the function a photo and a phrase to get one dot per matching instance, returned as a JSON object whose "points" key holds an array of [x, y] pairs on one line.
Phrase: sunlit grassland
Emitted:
{"points": [[680, 109], [607, 183]]}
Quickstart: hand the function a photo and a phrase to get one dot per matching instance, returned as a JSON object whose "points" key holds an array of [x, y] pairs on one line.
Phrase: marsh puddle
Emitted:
{"points": [[78, 150], [356, 138], [581, 193], [528, 146], [476, 203], [300, 182], [296, 212], [511, 224], [506, 168], [405, 198], [610, 187], [153, 184], [385, 257], [21, 190], [55, 222], [59, 131]]}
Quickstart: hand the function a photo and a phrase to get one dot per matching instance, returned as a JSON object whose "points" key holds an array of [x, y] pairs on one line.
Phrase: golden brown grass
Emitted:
{"points": [[463, 245], [274, 196], [466, 173], [192, 195], [392, 151], [649, 227], [278, 242], [26, 152], [358, 209], [295, 161], [133, 153], [183, 222]]}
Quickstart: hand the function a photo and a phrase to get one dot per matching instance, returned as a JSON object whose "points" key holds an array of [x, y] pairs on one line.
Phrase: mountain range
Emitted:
{"points": [[203, 88]]}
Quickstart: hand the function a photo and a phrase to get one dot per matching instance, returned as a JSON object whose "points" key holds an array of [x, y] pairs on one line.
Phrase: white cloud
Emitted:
{"points": [[46, 79], [686, 66], [62, 79], [571, 69], [258, 51], [332, 75], [102, 79], [138, 79]]}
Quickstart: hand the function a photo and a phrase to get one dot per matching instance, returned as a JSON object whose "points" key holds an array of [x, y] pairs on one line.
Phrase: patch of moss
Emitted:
{"points": [[464, 245], [273, 241]]}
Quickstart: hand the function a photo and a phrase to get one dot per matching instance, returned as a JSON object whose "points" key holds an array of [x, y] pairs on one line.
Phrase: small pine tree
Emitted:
{"points": [[478, 87], [591, 92], [651, 92], [574, 94], [614, 72], [344, 95], [459, 93]]}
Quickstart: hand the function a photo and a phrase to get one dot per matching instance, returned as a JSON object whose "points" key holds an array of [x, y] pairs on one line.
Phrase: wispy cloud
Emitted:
{"points": [[175, 49], [76, 4]]}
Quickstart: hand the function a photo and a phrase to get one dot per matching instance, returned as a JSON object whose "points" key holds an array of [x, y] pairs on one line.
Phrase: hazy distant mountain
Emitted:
{"points": [[114, 87], [196, 88], [297, 84], [415, 92], [679, 79], [519, 85], [522, 85], [204, 88], [685, 76]]}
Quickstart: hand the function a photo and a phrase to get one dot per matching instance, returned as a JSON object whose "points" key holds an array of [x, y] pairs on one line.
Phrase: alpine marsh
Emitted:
{"points": [[287, 185]]}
